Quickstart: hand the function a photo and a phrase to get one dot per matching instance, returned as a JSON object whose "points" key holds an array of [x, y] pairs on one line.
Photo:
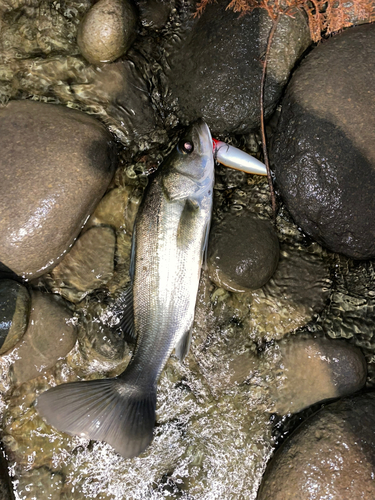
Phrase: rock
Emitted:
{"points": [[331, 455], [107, 30], [51, 334], [14, 313], [315, 369], [297, 291], [6, 487], [214, 69], [87, 266], [154, 13], [55, 165], [324, 149], [243, 252]]}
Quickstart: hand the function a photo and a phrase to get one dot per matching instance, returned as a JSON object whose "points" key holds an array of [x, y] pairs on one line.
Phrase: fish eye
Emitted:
{"points": [[186, 147]]}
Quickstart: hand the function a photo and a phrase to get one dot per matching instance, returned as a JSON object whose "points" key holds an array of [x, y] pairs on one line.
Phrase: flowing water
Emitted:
{"points": [[215, 423]]}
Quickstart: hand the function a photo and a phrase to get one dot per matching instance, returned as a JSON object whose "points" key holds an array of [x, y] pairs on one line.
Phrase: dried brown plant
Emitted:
{"points": [[325, 16]]}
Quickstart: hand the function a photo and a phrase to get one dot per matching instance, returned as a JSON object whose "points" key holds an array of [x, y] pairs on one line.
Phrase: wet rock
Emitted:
{"points": [[243, 252], [51, 334], [6, 487], [56, 164], [324, 149], [297, 291], [107, 30], [88, 265], [14, 313], [331, 455], [214, 68], [315, 369], [154, 13]]}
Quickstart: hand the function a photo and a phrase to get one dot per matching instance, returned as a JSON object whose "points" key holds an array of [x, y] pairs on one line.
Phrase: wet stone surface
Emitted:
{"points": [[323, 152], [45, 196], [88, 265], [330, 455], [107, 30], [213, 66], [14, 313], [243, 252], [50, 335], [313, 370]]}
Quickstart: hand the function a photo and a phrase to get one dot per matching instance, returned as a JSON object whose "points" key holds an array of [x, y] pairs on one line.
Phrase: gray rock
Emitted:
{"points": [[107, 30], [214, 67], [14, 313], [331, 455], [243, 251], [51, 334], [87, 266], [315, 369], [324, 148], [55, 165]]}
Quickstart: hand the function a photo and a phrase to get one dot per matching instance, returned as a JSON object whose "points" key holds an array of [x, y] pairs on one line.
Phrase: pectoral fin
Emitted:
{"points": [[183, 345]]}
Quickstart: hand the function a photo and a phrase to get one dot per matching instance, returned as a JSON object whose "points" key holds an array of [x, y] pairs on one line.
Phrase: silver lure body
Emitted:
{"points": [[169, 240]]}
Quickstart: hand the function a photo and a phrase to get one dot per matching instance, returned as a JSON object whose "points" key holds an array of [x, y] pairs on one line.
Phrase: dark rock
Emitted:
{"points": [[324, 148], [107, 30], [243, 252], [87, 266], [215, 68], [51, 334], [6, 487], [55, 165], [154, 13], [14, 313], [331, 455], [315, 369]]}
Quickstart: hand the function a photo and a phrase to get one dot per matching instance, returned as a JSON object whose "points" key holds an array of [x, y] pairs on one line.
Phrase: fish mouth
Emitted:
{"points": [[201, 136]]}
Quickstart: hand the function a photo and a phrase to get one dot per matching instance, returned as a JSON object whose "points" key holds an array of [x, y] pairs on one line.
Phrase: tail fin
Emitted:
{"points": [[109, 410]]}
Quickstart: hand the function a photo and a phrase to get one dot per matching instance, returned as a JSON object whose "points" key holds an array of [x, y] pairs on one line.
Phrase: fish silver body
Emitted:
{"points": [[169, 240]]}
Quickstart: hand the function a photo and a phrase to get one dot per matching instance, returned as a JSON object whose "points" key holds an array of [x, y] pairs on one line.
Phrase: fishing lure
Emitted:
{"points": [[233, 157]]}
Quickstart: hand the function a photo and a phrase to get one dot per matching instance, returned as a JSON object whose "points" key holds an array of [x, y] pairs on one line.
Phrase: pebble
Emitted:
{"points": [[14, 313], [310, 370], [214, 69], [331, 455], [55, 165], [243, 252], [51, 334], [107, 31], [323, 151], [87, 266]]}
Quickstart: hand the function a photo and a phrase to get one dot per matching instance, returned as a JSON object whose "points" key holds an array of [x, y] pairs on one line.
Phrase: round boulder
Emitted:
{"points": [[323, 151], [214, 66], [331, 455], [107, 30], [243, 252], [51, 334], [55, 165], [315, 369]]}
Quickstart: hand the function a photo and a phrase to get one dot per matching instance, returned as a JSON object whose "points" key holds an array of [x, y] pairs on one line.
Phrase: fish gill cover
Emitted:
{"points": [[325, 16]]}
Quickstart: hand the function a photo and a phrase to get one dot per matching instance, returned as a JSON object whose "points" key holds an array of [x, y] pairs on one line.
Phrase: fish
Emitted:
{"points": [[169, 240]]}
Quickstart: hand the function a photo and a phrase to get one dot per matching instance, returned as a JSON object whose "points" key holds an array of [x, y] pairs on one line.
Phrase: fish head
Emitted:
{"points": [[193, 155]]}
